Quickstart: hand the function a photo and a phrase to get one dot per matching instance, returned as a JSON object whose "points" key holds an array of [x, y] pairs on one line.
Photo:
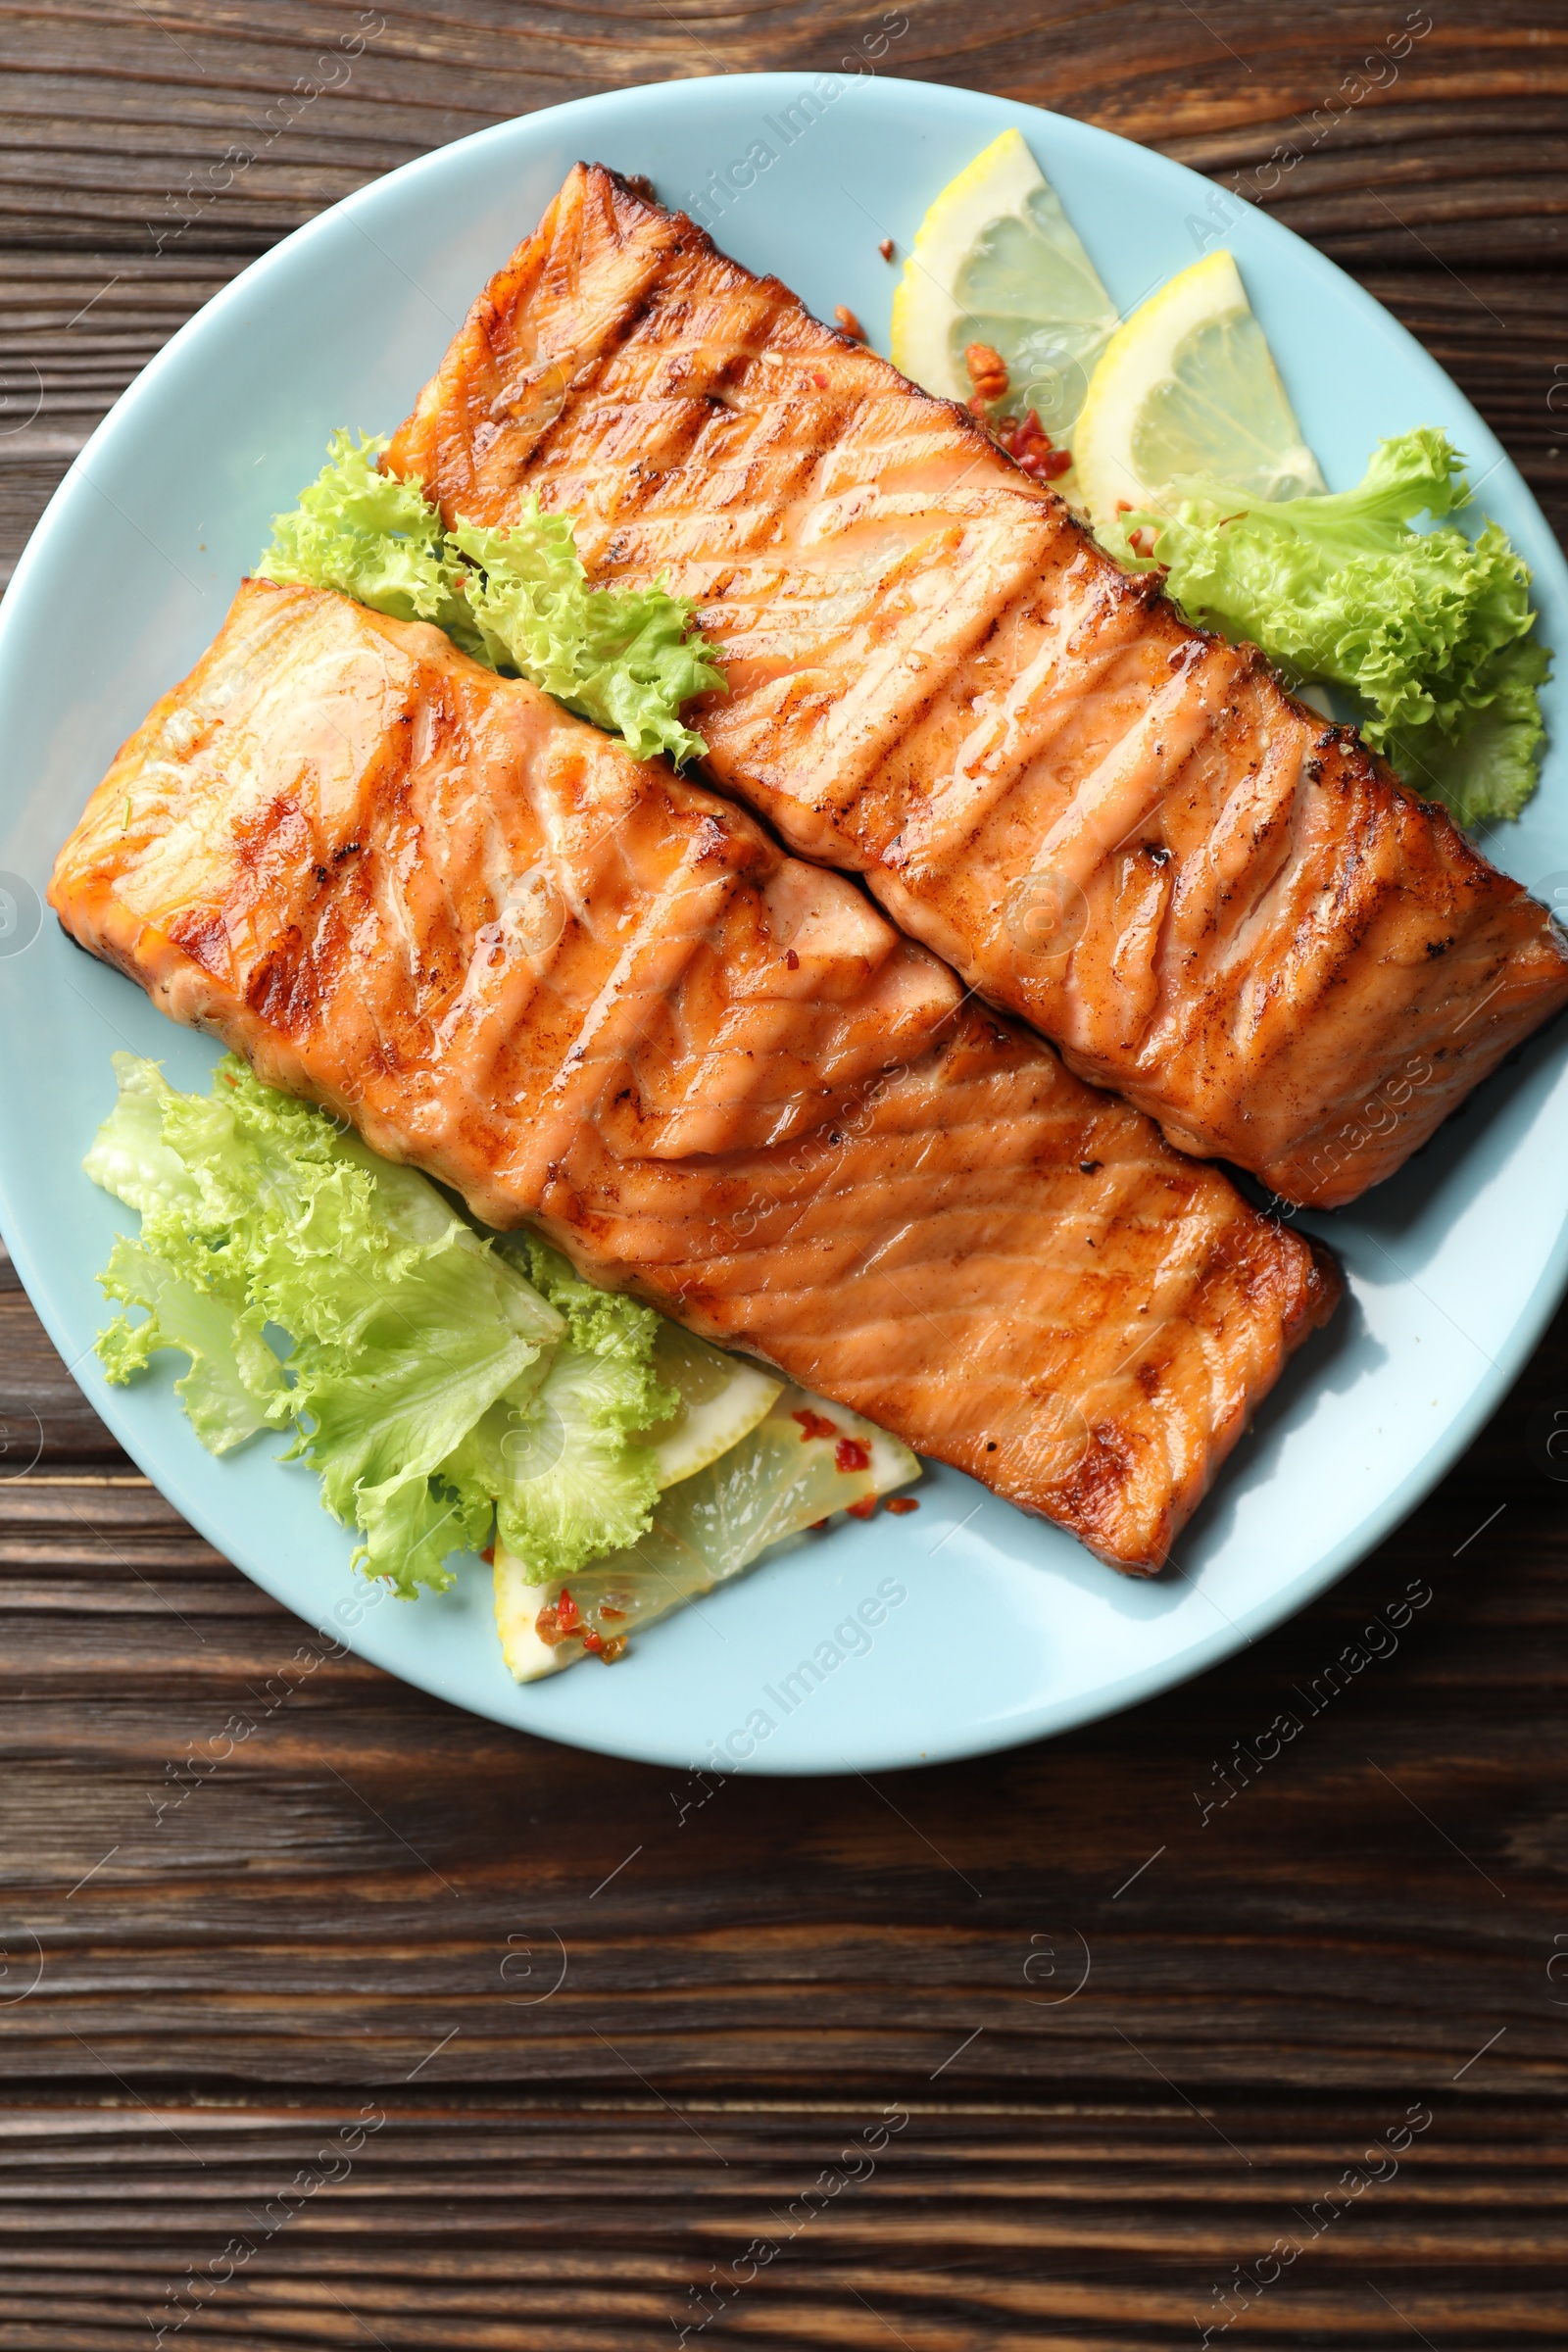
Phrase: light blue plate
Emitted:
{"points": [[996, 1628]]}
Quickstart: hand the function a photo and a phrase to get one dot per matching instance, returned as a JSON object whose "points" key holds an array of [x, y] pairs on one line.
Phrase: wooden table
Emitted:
{"points": [[287, 2026]]}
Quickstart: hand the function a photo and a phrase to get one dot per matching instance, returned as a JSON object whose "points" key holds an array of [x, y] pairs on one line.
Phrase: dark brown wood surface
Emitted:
{"points": [[291, 2025]]}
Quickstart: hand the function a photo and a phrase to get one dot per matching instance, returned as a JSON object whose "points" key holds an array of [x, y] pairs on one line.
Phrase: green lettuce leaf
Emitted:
{"points": [[129, 1157], [1489, 768], [405, 1327], [517, 600], [621, 657], [419, 1370], [234, 1379], [374, 538], [1425, 631], [561, 1455], [412, 1524]]}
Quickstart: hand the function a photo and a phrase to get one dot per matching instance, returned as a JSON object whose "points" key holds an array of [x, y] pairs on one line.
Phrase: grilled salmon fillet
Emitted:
{"points": [[583, 992], [1113, 824]]}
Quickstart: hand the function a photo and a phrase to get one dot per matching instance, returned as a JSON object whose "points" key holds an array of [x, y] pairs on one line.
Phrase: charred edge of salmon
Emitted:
{"points": [[1105, 1469], [1340, 750], [1324, 1292]]}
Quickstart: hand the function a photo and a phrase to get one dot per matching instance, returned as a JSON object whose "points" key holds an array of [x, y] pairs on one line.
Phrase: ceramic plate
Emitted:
{"points": [[994, 1628]]}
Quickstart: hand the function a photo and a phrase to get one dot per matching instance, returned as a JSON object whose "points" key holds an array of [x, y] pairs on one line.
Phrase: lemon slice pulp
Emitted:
{"points": [[779, 1480], [997, 261], [1189, 387], [721, 1397]]}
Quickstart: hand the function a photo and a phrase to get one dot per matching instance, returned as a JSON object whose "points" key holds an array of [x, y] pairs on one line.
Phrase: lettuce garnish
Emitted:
{"points": [[517, 600], [1427, 631], [439, 1384], [571, 1484]]}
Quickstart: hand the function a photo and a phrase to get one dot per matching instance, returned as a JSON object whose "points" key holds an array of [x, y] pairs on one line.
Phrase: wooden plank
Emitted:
{"points": [[970, 2222]]}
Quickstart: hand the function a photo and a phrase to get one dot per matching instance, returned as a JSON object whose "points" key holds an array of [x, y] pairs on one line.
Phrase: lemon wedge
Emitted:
{"points": [[721, 1397], [779, 1480], [997, 261], [1189, 385]]}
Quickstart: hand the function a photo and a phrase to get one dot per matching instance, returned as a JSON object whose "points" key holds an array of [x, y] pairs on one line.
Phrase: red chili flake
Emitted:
{"points": [[848, 325], [814, 1424], [605, 1610], [885, 249], [547, 1625], [488, 1555], [861, 1509], [1029, 445], [819, 379], [614, 1649], [900, 1505], [593, 1643], [851, 1454], [1124, 505], [567, 1613], [791, 962], [817, 1525], [988, 371]]}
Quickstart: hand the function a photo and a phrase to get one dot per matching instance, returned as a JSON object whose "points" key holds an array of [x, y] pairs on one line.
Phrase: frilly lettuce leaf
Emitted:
{"points": [[619, 656], [397, 1396], [561, 1459], [372, 537], [1488, 770], [430, 1380], [602, 1323], [417, 1522], [515, 600], [234, 1379], [1425, 631]]}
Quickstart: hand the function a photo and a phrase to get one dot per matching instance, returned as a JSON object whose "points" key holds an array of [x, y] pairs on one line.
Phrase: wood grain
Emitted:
{"points": [[251, 1891]]}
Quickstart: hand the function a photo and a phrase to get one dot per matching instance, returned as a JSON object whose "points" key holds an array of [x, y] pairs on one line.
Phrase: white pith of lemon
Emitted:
{"points": [[1189, 387], [774, 1483], [997, 261]]}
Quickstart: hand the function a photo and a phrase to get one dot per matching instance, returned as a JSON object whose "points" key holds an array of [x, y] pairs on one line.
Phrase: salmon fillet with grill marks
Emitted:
{"points": [[1116, 826], [583, 992]]}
